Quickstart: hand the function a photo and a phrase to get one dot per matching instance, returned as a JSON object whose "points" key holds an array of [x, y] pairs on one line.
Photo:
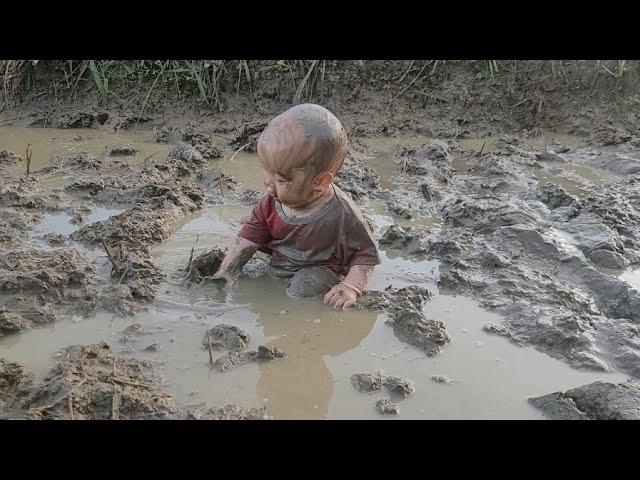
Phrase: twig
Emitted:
{"points": [[111, 259], [133, 384], [482, 148], [238, 151], [70, 401], [28, 153], [410, 83], [192, 251], [209, 348]]}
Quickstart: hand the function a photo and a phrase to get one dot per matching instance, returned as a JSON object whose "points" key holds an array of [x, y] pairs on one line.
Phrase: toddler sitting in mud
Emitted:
{"points": [[314, 233]]}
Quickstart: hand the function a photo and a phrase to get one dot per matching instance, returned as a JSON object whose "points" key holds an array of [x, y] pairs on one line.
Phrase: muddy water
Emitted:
{"points": [[47, 143], [491, 378]]}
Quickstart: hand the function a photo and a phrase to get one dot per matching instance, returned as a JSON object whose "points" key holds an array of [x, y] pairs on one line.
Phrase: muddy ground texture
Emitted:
{"points": [[544, 254]]}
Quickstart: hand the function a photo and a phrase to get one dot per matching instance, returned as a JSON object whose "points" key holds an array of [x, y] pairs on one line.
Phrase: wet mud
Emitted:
{"points": [[544, 236]]}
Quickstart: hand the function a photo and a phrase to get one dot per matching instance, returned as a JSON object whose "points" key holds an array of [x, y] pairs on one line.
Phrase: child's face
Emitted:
{"points": [[294, 192]]}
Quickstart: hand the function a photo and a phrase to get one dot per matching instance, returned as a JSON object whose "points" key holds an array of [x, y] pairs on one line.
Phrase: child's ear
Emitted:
{"points": [[324, 179]]}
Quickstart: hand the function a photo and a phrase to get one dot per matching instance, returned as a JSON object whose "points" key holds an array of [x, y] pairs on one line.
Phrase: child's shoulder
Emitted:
{"points": [[353, 214]]}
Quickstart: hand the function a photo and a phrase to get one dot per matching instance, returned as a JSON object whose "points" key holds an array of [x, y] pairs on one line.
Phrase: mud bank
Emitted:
{"points": [[538, 236], [596, 401]]}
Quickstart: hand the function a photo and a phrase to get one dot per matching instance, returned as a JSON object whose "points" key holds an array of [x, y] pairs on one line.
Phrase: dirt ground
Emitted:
{"points": [[542, 233]]}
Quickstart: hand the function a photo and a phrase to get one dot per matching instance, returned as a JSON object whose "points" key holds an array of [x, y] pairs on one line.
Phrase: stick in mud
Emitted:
{"points": [[28, 153], [209, 348], [111, 259]]}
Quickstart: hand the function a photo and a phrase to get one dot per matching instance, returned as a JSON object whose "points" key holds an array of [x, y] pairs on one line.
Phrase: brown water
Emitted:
{"points": [[492, 377]]}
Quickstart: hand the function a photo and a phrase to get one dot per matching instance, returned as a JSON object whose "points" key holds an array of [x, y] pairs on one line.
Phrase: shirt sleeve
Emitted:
{"points": [[255, 228], [359, 241]]}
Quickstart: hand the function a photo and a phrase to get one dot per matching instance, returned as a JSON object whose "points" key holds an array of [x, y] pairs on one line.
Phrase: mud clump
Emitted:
{"points": [[8, 158], [595, 401], [367, 382], [227, 337], [201, 142], [359, 180], [204, 266], [440, 379], [248, 135], [13, 380], [72, 119], [405, 309], [149, 222], [122, 151], [406, 239], [413, 328], [236, 359], [386, 407]]}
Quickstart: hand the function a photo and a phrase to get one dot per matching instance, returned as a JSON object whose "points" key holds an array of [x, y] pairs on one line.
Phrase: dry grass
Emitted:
{"points": [[208, 80]]}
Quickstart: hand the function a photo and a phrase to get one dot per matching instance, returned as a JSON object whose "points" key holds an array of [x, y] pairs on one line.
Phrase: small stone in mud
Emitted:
{"points": [[235, 359], [135, 329], [440, 379], [386, 407], [154, 347], [122, 151], [228, 337]]}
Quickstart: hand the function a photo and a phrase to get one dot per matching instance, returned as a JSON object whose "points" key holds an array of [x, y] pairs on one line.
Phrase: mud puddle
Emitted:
{"points": [[490, 377], [49, 143]]}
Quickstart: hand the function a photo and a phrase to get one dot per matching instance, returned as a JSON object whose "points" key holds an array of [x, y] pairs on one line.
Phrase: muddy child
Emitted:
{"points": [[316, 237]]}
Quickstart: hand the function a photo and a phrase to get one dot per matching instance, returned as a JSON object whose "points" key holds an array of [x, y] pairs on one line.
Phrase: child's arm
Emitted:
{"points": [[237, 256], [343, 296]]}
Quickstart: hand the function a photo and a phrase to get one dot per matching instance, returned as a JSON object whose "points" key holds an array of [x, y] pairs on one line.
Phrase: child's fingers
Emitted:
{"points": [[339, 302], [347, 304], [329, 296]]}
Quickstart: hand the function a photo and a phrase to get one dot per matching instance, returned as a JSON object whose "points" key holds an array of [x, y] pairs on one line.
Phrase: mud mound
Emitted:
{"points": [[92, 382], [41, 283], [595, 401], [21, 192], [146, 223], [8, 158], [367, 382], [405, 309], [359, 180], [386, 407], [227, 337], [236, 359], [74, 162], [248, 134]]}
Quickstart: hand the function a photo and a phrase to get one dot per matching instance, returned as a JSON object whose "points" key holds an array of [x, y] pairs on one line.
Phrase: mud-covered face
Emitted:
{"points": [[295, 192]]}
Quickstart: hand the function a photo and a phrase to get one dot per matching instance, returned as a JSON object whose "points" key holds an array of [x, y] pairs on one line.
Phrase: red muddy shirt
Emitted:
{"points": [[336, 236]]}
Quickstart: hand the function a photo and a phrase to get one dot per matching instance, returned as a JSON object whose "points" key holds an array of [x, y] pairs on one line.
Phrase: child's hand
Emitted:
{"points": [[223, 278], [341, 297]]}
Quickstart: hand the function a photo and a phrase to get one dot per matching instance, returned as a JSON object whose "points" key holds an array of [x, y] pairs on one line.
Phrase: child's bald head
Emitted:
{"points": [[306, 137]]}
